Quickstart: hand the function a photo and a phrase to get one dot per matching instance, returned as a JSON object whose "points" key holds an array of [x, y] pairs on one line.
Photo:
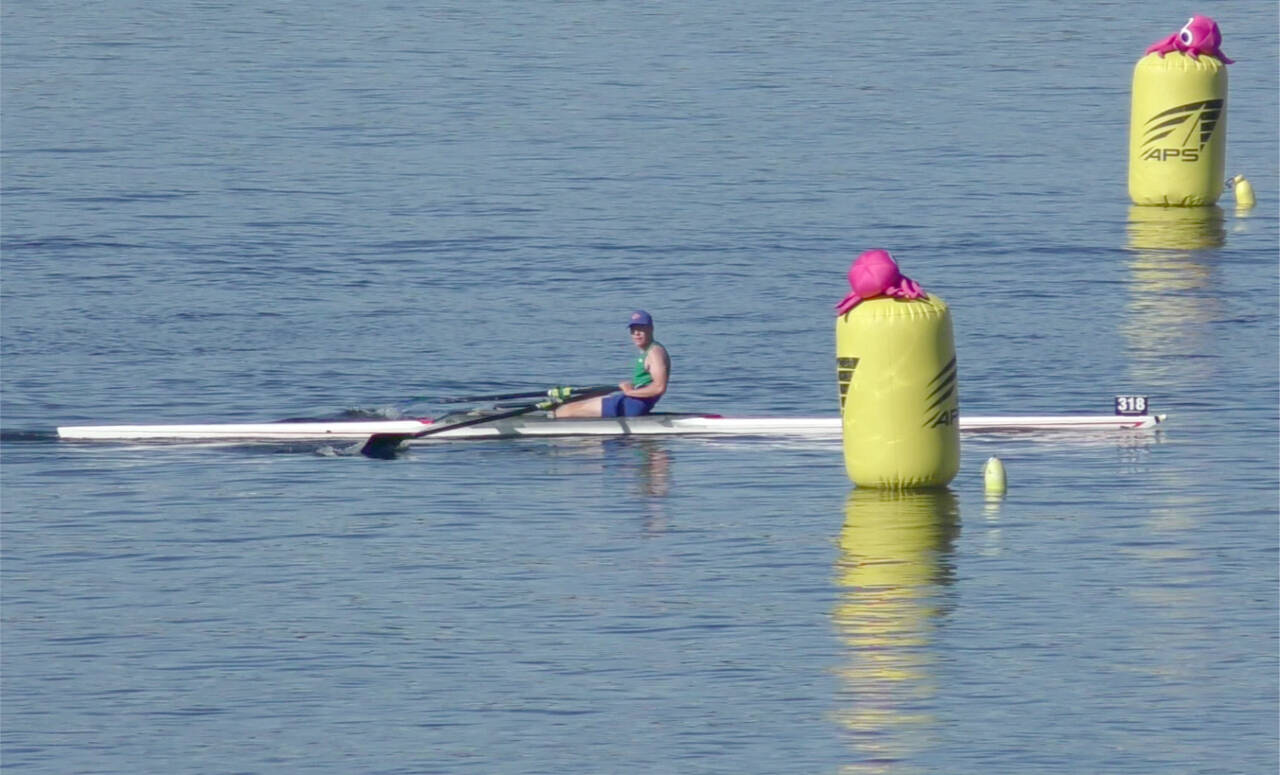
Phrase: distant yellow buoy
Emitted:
{"points": [[993, 476], [1244, 192]]}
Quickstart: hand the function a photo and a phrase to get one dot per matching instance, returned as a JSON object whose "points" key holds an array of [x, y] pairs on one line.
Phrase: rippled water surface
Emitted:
{"points": [[242, 212]]}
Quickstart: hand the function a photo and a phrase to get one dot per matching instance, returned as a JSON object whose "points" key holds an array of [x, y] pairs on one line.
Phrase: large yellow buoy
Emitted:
{"points": [[896, 370], [1177, 129]]}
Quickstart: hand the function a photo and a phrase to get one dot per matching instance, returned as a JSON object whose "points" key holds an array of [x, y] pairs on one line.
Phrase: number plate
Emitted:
{"points": [[1131, 405]]}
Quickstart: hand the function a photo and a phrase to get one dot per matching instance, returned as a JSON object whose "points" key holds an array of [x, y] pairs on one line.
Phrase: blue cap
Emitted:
{"points": [[640, 318]]}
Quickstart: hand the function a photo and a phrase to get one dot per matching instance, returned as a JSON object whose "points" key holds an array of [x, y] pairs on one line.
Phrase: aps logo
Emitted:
{"points": [[945, 406], [1180, 133]]}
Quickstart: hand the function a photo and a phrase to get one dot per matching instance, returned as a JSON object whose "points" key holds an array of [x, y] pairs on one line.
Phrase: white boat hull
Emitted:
{"points": [[650, 425]]}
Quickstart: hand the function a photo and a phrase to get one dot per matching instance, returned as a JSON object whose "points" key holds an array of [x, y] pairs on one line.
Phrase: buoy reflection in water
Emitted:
{"points": [[893, 570]]}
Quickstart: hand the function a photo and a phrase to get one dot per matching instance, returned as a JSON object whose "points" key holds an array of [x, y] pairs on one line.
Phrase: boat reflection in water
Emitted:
{"points": [[1174, 294], [893, 570], [652, 463], [637, 465], [643, 463], [647, 466]]}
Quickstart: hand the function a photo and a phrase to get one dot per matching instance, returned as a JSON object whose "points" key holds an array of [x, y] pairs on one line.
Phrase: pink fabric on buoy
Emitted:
{"points": [[1200, 35], [875, 273]]}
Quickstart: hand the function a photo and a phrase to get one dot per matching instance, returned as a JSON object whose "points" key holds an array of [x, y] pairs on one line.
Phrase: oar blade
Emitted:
{"points": [[384, 446]]}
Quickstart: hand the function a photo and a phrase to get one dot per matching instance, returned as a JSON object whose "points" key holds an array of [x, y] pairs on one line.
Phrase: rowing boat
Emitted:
{"points": [[657, 424]]}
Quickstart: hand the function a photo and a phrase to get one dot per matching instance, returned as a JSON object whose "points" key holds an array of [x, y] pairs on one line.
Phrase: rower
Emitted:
{"points": [[638, 395]]}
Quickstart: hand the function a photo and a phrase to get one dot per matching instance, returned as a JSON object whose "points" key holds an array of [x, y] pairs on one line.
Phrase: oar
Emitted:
{"points": [[492, 396], [383, 445], [505, 396]]}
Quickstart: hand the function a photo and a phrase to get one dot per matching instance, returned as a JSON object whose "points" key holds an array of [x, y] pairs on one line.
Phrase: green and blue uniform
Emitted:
{"points": [[623, 405]]}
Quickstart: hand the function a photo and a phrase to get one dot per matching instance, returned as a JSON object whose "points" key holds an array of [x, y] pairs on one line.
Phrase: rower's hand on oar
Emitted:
{"points": [[558, 395], [564, 395]]}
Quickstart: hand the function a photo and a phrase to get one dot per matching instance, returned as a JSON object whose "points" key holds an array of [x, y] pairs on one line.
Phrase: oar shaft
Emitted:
{"points": [[382, 445], [442, 427], [504, 396], [490, 397]]}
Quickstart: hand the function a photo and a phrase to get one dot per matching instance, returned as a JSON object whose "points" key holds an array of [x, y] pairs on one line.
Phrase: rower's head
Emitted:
{"points": [[641, 327]]}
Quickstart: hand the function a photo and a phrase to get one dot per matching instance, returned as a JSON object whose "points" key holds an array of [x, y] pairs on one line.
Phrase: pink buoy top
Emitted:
{"points": [[875, 273], [1200, 35]]}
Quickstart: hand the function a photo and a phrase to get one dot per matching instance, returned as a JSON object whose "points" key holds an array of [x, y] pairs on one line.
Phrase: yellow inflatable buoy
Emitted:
{"points": [[896, 370], [1177, 130], [896, 367]]}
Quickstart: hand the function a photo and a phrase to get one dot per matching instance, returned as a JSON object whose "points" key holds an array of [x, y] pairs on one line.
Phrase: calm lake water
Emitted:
{"points": [[238, 212]]}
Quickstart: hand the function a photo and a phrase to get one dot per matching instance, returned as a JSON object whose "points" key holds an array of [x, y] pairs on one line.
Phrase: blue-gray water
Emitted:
{"points": [[227, 212]]}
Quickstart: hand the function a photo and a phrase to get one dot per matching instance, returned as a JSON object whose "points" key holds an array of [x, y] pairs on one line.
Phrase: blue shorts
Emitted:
{"points": [[623, 405]]}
